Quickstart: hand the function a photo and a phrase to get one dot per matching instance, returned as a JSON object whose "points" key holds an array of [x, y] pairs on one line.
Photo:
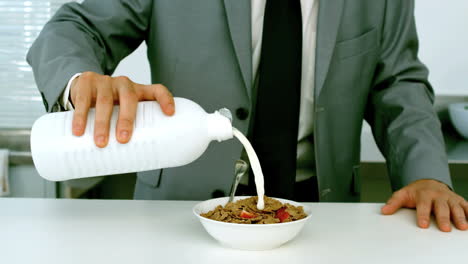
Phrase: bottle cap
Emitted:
{"points": [[225, 112], [219, 125]]}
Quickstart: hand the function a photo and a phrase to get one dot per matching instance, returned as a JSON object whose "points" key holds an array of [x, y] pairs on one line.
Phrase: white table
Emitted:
{"points": [[114, 231]]}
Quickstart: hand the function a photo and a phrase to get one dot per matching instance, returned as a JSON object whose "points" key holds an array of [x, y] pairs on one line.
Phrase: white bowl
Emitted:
{"points": [[459, 115], [249, 236]]}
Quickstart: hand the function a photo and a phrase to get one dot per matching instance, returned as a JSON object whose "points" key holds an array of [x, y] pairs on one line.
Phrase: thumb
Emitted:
{"points": [[397, 201]]}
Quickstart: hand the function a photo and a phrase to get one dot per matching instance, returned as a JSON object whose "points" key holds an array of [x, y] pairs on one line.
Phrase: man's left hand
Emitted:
{"points": [[430, 196]]}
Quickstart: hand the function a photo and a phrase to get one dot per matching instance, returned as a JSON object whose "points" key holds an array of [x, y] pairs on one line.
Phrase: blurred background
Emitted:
{"points": [[443, 41]]}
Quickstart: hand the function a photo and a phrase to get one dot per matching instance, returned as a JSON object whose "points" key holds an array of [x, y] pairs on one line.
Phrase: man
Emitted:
{"points": [[300, 76]]}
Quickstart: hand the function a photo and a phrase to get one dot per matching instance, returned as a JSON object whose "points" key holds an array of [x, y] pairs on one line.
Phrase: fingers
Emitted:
{"points": [[100, 90], [458, 215], [442, 214], [104, 105], [127, 112], [165, 99], [159, 93], [464, 205], [397, 201], [423, 212], [81, 97], [431, 197]]}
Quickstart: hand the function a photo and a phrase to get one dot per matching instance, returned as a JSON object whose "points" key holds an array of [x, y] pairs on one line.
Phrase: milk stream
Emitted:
{"points": [[256, 168]]}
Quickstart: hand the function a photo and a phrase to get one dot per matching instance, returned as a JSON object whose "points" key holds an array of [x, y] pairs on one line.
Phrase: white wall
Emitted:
{"points": [[135, 66], [443, 34]]}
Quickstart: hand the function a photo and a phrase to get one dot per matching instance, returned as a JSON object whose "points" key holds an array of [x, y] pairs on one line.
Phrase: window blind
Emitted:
{"points": [[20, 24]]}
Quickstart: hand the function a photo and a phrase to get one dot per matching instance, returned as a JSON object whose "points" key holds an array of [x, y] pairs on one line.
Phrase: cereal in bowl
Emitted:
{"points": [[245, 212]]}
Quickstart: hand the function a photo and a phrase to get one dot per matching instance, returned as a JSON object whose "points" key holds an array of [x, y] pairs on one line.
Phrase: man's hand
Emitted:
{"points": [[102, 91], [431, 196]]}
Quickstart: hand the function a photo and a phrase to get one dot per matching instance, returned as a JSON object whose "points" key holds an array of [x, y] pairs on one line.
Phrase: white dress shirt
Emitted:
{"points": [[309, 10]]}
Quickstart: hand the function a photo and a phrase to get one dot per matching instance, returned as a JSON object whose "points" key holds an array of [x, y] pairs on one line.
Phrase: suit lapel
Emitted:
{"points": [[238, 15], [329, 17]]}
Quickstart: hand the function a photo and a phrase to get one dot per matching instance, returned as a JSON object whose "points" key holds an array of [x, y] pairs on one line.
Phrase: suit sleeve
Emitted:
{"points": [[399, 110], [92, 36]]}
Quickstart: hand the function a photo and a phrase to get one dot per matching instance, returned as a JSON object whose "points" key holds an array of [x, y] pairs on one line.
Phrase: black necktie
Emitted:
{"points": [[276, 121]]}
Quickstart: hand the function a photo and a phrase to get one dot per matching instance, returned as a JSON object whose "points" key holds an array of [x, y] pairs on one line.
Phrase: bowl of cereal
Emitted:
{"points": [[241, 225]]}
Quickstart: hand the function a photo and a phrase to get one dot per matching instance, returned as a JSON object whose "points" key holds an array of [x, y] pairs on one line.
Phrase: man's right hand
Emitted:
{"points": [[101, 91]]}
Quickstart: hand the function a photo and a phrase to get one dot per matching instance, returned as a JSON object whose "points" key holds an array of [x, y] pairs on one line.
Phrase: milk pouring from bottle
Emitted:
{"points": [[158, 141]]}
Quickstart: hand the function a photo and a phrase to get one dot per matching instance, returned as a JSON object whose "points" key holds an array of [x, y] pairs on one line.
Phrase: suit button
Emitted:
{"points": [[218, 193], [242, 113]]}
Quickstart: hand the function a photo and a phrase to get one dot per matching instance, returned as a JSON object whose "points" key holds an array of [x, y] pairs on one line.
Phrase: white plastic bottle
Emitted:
{"points": [[158, 141]]}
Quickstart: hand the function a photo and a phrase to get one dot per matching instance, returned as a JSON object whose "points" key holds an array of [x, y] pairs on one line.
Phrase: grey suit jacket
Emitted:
{"points": [[366, 67]]}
